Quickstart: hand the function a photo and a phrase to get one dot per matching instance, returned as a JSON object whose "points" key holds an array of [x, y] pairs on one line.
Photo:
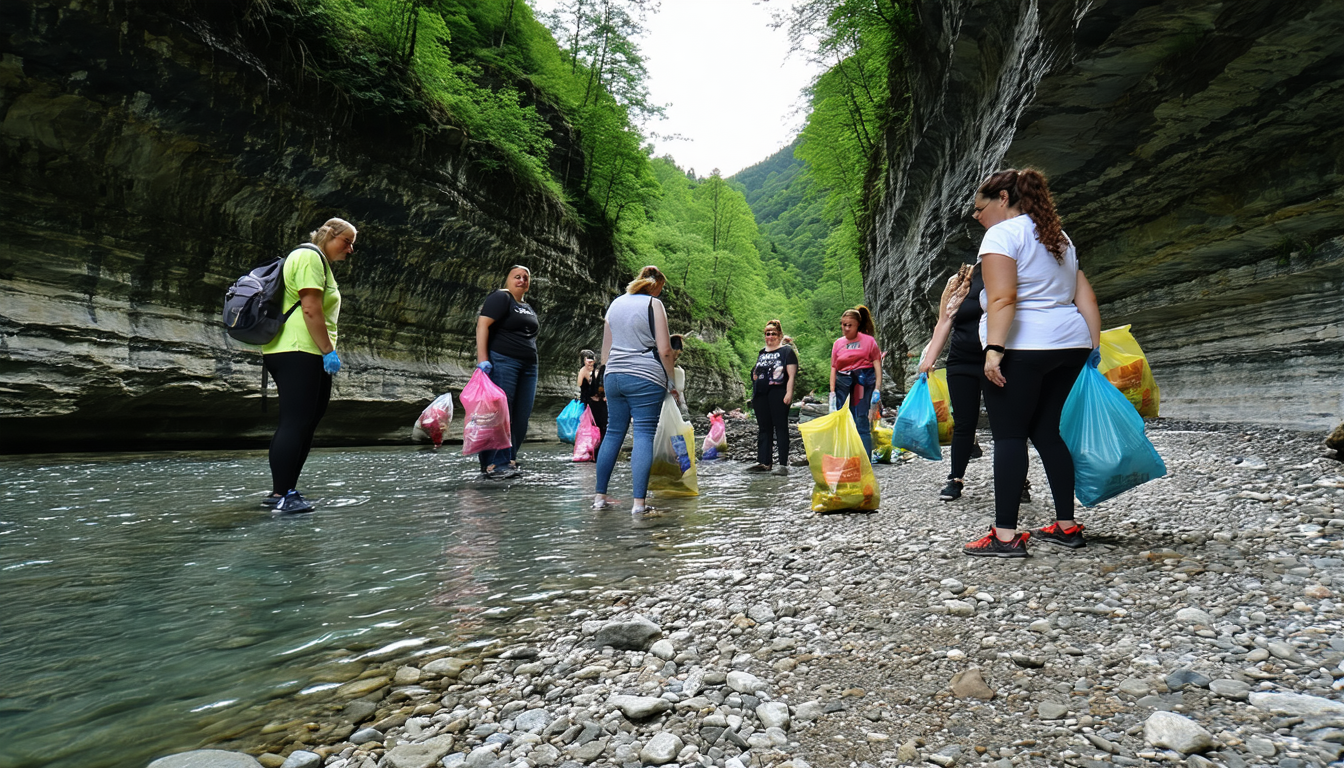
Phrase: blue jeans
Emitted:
{"points": [[629, 395], [519, 382], [864, 381]]}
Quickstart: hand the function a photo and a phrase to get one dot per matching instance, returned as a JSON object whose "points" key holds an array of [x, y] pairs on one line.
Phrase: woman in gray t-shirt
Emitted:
{"points": [[637, 353]]}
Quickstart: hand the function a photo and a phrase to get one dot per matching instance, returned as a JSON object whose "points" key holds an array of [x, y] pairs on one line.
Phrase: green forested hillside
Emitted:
{"points": [[559, 101]]}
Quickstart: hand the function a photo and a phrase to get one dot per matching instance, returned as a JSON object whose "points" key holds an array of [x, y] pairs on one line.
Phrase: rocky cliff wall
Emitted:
{"points": [[1196, 155], [150, 153]]}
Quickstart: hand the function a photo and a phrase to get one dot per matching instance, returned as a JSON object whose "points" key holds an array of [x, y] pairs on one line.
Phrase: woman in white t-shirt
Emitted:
{"points": [[1041, 323]]}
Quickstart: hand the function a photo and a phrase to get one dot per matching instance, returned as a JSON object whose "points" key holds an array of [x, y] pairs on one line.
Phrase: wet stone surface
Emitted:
{"points": [[1140, 649]]}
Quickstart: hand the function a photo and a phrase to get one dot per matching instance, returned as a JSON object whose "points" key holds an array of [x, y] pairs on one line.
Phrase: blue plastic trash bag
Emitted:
{"points": [[1111, 453], [916, 427], [567, 423]]}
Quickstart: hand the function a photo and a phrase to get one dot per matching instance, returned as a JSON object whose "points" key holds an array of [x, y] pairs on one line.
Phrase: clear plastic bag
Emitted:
{"points": [[916, 428], [432, 425], [673, 470], [485, 425], [567, 423], [717, 440], [841, 472], [1105, 435], [587, 437]]}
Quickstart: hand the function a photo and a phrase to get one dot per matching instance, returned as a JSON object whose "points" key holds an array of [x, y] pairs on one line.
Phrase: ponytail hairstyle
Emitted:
{"points": [[1028, 191], [332, 228], [649, 278], [864, 317]]}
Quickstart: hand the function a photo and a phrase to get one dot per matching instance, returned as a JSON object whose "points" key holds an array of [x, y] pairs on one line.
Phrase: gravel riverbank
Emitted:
{"points": [[1199, 627]]}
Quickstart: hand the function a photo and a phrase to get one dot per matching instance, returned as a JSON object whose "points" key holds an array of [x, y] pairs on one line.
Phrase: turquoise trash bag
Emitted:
{"points": [[1111, 453], [916, 428], [567, 423]]}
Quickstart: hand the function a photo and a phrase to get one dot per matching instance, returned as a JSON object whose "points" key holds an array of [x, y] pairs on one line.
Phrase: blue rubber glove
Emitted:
{"points": [[1094, 359], [485, 366], [331, 362], [877, 397]]}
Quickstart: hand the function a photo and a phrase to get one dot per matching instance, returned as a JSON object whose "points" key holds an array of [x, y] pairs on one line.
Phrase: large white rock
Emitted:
{"points": [[661, 749], [1169, 730], [744, 682], [1296, 704], [206, 758], [640, 707], [635, 635], [773, 714], [422, 755], [302, 758], [1194, 616]]}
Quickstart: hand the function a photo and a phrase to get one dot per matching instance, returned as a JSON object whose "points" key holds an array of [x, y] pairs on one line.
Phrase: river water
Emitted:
{"points": [[150, 605]]}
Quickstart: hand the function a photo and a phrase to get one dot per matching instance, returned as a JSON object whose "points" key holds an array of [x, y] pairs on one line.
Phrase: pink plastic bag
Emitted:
{"points": [[434, 420], [588, 438], [717, 439], [485, 426]]}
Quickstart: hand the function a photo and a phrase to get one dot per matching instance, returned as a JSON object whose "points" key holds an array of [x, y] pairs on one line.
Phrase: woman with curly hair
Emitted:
{"points": [[1041, 323]]}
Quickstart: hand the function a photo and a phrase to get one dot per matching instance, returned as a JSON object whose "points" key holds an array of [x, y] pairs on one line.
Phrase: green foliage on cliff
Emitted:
{"points": [[782, 240]]}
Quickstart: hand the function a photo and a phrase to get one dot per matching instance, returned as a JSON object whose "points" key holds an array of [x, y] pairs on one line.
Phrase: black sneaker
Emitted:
{"points": [[952, 492], [758, 468], [505, 472], [293, 503], [975, 451], [1026, 491], [1071, 538], [270, 501], [990, 546]]}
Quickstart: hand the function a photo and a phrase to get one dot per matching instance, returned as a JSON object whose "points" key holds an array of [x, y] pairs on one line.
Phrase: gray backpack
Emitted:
{"points": [[252, 306]]}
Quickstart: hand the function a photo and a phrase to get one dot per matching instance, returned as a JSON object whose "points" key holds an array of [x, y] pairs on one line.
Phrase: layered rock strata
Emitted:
{"points": [[1195, 154], [147, 166]]}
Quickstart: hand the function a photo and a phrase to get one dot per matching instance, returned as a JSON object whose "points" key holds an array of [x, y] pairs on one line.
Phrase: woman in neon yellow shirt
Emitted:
{"points": [[302, 358]]}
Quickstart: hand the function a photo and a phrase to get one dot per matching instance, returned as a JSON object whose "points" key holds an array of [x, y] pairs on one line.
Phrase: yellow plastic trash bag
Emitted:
{"points": [[942, 405], [882, 447], [673, 470], [840, 468], [1124, 365]]}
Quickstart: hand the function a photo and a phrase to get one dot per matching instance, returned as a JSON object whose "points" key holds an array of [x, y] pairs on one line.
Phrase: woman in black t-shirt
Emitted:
{"points": [[959, 318], [591, 391], [506, 349], [772, 381]]}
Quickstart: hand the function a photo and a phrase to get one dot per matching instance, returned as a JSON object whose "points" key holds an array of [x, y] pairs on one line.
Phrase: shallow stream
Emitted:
{"points": [[151, 606]]}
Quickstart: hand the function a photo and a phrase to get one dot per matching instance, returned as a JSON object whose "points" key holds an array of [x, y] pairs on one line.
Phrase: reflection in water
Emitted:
{"points": [[151, 606]]}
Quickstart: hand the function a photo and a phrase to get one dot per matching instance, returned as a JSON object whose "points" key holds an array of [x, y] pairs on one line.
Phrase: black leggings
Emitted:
{"points": [[1028, 406], [772, 421], [305, 390], [963, 384]]}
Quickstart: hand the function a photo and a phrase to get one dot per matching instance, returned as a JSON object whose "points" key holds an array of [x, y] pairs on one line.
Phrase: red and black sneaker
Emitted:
{"points": [[990, 546], [1064, 537]]}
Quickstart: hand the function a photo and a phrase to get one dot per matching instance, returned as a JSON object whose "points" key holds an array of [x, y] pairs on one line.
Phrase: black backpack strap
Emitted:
{"points": [[652, 331], [326, 270], [263, 385]]}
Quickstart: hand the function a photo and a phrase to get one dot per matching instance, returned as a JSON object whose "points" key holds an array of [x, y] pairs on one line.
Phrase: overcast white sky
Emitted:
{"points": [[732, 93]]}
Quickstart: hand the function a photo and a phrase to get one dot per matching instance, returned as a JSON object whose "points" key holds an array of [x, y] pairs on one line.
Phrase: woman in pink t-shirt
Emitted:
{"points": [[856, 370]]}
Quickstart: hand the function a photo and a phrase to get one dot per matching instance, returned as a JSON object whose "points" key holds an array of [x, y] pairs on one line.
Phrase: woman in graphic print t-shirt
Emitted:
{"points": [[772, 381]]}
